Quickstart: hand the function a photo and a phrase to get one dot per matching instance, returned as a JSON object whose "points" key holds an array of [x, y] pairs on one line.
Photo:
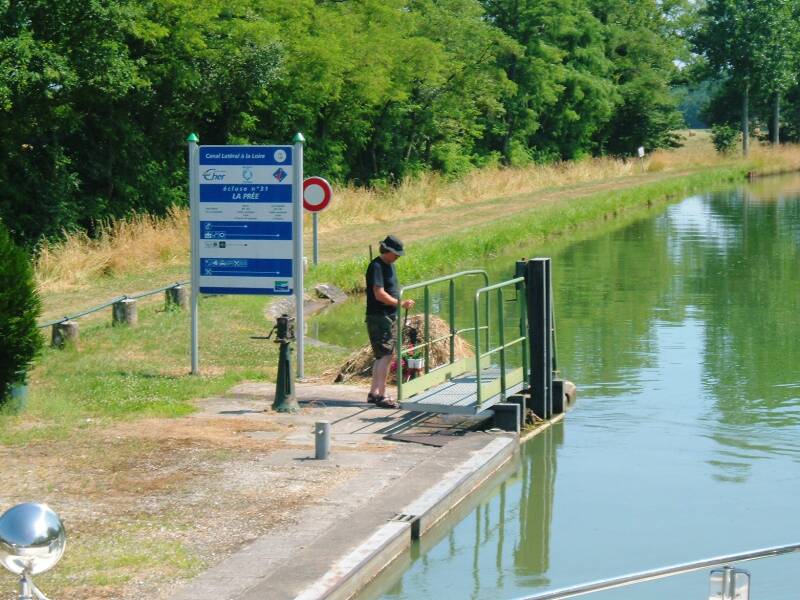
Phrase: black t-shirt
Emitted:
{"points": [[383, 275]]}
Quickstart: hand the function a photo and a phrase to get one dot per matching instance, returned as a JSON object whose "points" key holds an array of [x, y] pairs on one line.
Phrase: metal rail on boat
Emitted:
{"points": [[731, 583]]}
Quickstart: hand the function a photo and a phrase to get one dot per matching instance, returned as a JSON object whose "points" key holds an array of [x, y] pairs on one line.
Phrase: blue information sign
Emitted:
{"points": [[245, 220]]}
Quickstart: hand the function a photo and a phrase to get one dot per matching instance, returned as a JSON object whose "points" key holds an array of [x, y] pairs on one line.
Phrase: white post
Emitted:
{"points": [[322, 440], [315, 222], [194, 221], [297, 200]]}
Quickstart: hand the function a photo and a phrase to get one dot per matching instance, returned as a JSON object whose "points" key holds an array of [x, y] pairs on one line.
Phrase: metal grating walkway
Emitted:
{"points": [[459, 395]]}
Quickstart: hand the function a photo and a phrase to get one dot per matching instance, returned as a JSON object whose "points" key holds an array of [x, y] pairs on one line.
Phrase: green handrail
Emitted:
{"points": [[518, 283], [425, 286]]}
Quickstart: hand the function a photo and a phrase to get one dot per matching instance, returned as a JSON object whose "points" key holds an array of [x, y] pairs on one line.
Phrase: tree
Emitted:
{"points": [[781, 56], [643, 39], [96, 97], [559, 75], [587, 96], [751, 42], [594, 75], [38, 191], [728, 39], [20, 340]]}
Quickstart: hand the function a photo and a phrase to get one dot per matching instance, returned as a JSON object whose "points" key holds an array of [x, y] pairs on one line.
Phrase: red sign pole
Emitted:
{"points": [[317, 194]]}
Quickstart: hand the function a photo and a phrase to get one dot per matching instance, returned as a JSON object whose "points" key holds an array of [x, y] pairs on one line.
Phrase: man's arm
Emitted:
{"points": [[382, 296]]}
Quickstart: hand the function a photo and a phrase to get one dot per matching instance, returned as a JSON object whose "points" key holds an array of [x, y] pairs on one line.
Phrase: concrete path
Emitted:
{"points": [[392, 491]]}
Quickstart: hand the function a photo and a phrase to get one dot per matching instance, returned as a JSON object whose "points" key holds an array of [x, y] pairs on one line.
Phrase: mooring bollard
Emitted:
{"points": [[124, 312], [322, 439], [176, 297], [65, 333]]}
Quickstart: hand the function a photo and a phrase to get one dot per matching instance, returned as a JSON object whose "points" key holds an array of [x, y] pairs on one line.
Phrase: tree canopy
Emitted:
{"points": [[97, 96]]}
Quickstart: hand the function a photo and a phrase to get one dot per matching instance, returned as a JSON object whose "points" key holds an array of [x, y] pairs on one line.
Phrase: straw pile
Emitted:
{"points": [[359, 365]]}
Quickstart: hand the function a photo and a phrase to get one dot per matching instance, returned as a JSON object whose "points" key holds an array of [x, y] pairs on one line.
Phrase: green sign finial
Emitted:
{"points": [[193, 138], [298, 137]]}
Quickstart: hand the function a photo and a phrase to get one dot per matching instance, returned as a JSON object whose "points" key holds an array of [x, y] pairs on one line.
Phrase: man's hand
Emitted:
{"points": [[382, 296]]}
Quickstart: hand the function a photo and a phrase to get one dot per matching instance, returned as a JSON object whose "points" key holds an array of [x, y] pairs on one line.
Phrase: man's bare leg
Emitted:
{"points": [[380, 371]]}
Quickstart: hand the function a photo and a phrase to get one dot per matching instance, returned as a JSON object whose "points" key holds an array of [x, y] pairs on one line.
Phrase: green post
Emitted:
{"points": [[523, 328], [398, 322], [502, 340], [452, 321], [427, 329], [488, 321], [478, 347]]}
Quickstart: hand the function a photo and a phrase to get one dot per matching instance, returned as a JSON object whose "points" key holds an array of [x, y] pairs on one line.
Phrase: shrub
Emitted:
{"points": [[20, 340], [451, 160], [725, 138]]}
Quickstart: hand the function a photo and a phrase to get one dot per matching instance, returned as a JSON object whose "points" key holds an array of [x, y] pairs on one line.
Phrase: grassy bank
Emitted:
{"points": [[121, 373], [436, 256], [69, 270], [123, 246], [118, 373]]}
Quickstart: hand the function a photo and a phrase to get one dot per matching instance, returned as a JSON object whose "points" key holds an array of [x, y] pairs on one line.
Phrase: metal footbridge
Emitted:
{"points": [[512, 339]]}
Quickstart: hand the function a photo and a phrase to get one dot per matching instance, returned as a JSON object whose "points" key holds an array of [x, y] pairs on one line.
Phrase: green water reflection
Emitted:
{"points": [[681, 330]]}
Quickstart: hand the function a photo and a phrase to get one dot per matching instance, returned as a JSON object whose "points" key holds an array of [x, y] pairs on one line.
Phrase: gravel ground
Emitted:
{"points": [[149, 504]]}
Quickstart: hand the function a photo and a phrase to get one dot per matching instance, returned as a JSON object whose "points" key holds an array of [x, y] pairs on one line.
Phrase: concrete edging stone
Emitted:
{"points": [[350, 574]]}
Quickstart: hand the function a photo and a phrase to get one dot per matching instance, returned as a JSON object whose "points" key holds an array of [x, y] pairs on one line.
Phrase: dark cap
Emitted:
{"points": [[393, 244]]}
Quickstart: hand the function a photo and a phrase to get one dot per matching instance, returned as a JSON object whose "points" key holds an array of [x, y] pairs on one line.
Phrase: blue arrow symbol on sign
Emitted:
{"points": [[242, 273]]}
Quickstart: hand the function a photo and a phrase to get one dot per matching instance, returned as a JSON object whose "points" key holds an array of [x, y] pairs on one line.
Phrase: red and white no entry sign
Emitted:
{"points": [[317, 194]]}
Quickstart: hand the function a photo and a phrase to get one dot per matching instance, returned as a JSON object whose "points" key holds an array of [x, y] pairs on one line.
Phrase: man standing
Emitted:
{"points": [[383, 293]]}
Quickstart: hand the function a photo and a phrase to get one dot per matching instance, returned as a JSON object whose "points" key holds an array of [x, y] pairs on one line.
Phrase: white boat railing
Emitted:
{"points": [[726, 583]]}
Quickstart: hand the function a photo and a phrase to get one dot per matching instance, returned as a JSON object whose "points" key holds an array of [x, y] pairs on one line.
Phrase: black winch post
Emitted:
{"points": [[285, 399], [537, 275], [519, 268]]}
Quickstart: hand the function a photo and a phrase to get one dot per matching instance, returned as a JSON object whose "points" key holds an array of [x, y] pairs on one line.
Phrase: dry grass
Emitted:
{"points": [[144, 242], [698, 151], [139, 242], [416, 195], [358, 367]]}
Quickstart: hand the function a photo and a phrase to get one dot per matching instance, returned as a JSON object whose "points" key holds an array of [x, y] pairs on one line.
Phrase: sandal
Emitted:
{"points": [[386, 402], [372, 398]]}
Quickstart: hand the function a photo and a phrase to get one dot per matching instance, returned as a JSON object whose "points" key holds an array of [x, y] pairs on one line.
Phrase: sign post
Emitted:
{"points": [[297, 200], [315, 227], [317, 194], [244, 205], [194, 208]]}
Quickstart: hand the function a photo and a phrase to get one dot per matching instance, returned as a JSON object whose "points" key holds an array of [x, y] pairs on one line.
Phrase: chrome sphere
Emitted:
{"points": [[32, 538]]}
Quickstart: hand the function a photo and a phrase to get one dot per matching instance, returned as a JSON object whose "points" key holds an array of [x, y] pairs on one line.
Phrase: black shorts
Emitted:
{"points": [[382, 332]]}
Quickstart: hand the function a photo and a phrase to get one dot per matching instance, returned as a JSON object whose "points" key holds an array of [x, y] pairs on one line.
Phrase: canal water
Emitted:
{"points": [[682, 332]]}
